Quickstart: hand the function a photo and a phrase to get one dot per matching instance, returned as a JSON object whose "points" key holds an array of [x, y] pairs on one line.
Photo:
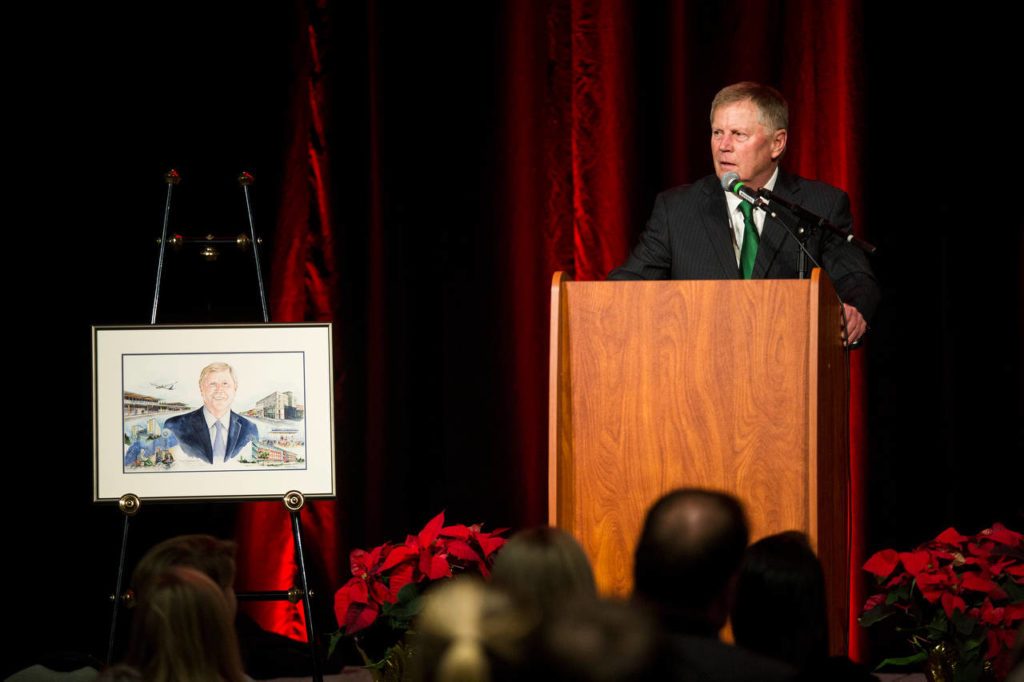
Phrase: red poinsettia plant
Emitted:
{"points": [[387, 581], [961, 594]]}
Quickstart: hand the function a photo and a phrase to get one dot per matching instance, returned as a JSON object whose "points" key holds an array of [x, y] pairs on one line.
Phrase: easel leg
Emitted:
{"points": [[294, 502], [129, 505]]}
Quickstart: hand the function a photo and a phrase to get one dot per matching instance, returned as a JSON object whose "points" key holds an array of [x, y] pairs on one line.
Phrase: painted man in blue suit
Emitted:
{"points": [[214, 433]]}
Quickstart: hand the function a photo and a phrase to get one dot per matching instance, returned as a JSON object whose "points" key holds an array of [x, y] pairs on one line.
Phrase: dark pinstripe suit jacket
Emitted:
{"points": [[689, 237]]}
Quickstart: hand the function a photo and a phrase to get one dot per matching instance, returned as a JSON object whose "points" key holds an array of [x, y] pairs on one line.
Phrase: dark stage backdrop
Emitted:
{"points": [[504, 143], [421, 170]]}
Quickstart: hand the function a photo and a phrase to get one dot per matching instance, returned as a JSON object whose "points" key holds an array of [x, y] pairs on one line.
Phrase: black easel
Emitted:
{"points": [[129, 506], [294, 501]]}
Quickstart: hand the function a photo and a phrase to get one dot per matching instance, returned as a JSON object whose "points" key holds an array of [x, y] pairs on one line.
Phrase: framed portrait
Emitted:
{"points": [[213, 412]]}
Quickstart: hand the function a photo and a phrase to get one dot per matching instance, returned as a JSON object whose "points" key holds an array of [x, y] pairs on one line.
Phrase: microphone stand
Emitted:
{"points": [[799, 229], [799, 222]]}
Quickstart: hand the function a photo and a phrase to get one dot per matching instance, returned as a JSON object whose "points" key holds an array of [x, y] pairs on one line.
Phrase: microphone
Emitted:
{"points": [[731, 183], [762, 197]]}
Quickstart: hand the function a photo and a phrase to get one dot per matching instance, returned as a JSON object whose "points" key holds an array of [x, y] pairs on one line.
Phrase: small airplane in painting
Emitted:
{"points": [[168, 386]]}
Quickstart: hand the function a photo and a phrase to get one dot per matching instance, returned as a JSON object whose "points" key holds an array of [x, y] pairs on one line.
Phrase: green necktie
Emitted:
{"points": [[748, 251]]}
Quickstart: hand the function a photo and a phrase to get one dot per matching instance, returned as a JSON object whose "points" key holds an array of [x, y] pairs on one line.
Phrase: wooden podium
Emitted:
{"points": [[734, 385]]}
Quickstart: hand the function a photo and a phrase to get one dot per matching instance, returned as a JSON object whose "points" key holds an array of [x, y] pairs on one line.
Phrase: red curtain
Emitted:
{"points": [[572, 113], [566, 186], [598, 105], [304, 287]]}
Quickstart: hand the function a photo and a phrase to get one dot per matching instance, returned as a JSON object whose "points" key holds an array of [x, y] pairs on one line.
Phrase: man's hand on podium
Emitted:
{"points": [[855, 326]]}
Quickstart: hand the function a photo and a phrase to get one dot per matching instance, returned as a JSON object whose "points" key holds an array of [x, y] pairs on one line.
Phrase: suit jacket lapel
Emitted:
{"points": [[774, 234], [716, 225], [202, 434], [233, 432]]}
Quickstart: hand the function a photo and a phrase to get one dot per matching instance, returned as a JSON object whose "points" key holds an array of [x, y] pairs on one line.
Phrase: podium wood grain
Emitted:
{"points": [[731, 385]]}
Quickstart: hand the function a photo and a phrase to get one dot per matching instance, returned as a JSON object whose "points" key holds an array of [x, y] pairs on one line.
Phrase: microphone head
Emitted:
{"points": [[729, 180]]}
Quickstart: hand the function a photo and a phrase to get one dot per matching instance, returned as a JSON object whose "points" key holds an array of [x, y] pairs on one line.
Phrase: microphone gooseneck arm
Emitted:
{"points": [[815, 221]]}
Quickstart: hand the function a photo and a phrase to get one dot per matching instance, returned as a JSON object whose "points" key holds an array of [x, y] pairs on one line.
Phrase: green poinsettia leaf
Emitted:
{"points": [[972, 644], [335, 638], [387, 661], [401, 614], [903, 660], [963, 624], [406, 610], [891, 598], [904, 591], [939, 623], [409, 592], [869, 618], [1014, 591]]}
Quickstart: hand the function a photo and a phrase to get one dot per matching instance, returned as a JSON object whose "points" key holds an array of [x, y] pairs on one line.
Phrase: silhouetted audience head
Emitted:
{"points": [[469, 631], [205, 553], [593, 640], [544, 566], [183, 630], [780, 609], [265, 654], [689, 550]]}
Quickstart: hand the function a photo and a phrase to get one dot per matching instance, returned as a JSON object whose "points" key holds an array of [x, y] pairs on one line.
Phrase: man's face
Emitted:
{"points": [[218, 389], [740, 143]]}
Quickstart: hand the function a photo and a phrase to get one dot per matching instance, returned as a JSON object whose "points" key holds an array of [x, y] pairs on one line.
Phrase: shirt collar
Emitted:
{"points": [[210, 419]]}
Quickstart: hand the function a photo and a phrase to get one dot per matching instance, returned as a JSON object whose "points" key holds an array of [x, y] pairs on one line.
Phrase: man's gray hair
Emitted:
{"points": [[772, 109]]}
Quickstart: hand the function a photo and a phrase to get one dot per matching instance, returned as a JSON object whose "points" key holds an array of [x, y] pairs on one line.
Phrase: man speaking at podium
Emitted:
{"points": [[702, 231]]}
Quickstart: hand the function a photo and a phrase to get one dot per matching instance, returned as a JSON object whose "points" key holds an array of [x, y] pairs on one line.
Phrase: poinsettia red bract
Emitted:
{"points": [[435, 553], [956, 590]]}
